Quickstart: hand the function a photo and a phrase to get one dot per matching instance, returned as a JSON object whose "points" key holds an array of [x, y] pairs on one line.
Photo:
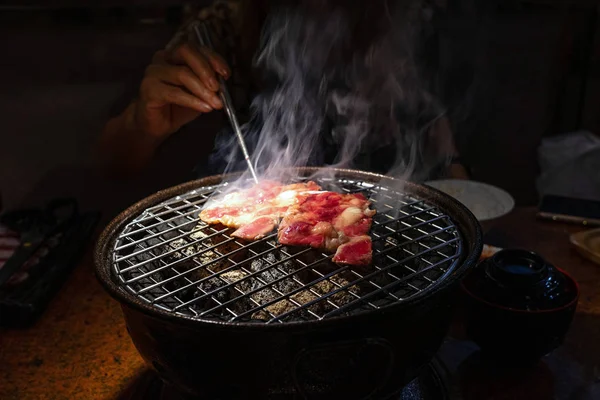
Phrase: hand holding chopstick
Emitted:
{"points": [[204, 39], [180, 84]]}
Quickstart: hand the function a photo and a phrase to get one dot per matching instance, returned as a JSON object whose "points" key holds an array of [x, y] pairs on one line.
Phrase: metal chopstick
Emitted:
{"points": [[204, 39]]}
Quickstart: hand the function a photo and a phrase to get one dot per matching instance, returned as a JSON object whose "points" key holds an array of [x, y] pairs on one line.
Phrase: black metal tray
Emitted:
{"points": [[22, 304]]}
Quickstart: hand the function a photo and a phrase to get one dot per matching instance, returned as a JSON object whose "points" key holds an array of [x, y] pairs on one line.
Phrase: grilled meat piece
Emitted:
{"points": [[325, 220], [255, 211], [331, 221]]}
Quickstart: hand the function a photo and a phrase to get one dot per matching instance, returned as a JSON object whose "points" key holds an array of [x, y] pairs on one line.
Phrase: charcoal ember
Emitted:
{"points": [[340, 298], [376, 280], [284, 306], [164, 272], [384, 244], [193, 253], [262, 297], [183, 224], [405, 251], [269, 274], [183, 265], [272, 289], [184, 259], [225, 244], [286, 271], [235, 291], [308, 256], [261, 315], [159, 254], [209, 286], [154, 249], [192, 257], [145, 257], [381, 279], [390, 239], [242, 286]]}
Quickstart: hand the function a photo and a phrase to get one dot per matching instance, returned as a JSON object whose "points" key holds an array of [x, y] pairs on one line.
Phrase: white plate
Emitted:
{"points": [[485, 201]]}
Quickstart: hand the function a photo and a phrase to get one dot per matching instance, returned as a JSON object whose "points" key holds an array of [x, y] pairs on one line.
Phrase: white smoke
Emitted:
{"points": [[337, 80]]}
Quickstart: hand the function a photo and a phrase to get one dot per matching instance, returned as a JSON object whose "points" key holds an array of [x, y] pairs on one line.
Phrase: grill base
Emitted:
{"points": [[433, 383]]}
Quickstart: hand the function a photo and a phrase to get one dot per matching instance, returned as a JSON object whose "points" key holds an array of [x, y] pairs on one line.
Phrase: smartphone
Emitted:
{"points": [[568, 209]]}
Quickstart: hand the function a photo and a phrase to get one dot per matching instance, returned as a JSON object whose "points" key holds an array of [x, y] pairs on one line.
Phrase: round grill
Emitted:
{"points": [[174, 262]]}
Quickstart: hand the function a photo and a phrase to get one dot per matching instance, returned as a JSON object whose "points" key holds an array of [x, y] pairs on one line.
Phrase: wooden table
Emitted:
{"points": [[80, 348]]}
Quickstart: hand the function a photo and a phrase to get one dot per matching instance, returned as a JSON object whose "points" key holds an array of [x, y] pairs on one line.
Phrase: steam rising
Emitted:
{"points": [[343, 89]]}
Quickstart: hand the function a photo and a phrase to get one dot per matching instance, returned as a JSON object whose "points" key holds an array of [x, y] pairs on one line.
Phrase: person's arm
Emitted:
{"points": [[444, 140], [457, 170], [176, 88], [123, 148]]}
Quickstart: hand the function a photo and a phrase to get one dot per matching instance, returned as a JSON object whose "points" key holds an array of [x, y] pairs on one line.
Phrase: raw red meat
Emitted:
{"points": [[256, 210], [311, 217], [332, 221]]}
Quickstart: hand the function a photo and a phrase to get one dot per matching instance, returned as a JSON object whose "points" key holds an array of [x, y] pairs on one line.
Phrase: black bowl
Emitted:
{"points": [[518, 307]]}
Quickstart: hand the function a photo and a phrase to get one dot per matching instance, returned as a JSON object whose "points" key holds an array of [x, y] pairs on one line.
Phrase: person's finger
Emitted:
{"points": [[183, 76], [198, 63], [176, 95], [156, 92], [217, 62]]}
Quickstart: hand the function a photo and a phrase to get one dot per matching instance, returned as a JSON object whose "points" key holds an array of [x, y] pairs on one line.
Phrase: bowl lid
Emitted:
{"points": [[517, 269], [520, 279]]}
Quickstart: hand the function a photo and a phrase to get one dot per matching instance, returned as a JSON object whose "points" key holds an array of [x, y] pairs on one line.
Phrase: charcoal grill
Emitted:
{"points": [[290, 318]]}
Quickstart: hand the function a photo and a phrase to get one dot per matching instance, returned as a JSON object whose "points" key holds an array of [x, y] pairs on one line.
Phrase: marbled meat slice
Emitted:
{"points": [[257, 210], [331, 221]]}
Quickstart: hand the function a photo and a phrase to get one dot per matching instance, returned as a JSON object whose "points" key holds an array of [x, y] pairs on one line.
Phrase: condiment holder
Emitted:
{"points": [[518, 306]]}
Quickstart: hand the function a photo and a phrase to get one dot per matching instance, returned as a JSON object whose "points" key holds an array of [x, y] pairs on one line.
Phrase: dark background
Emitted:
{"points": [[514, 71]]}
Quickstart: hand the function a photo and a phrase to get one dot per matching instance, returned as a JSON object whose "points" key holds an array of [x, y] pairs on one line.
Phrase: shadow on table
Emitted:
{"points": [[144, 386]]}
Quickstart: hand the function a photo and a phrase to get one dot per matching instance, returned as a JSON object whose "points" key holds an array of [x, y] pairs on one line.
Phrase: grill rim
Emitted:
{"points": [[467, 225]]}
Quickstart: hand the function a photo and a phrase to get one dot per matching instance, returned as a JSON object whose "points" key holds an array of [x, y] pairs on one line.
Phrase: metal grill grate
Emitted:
{"points": [[172, 260]]}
